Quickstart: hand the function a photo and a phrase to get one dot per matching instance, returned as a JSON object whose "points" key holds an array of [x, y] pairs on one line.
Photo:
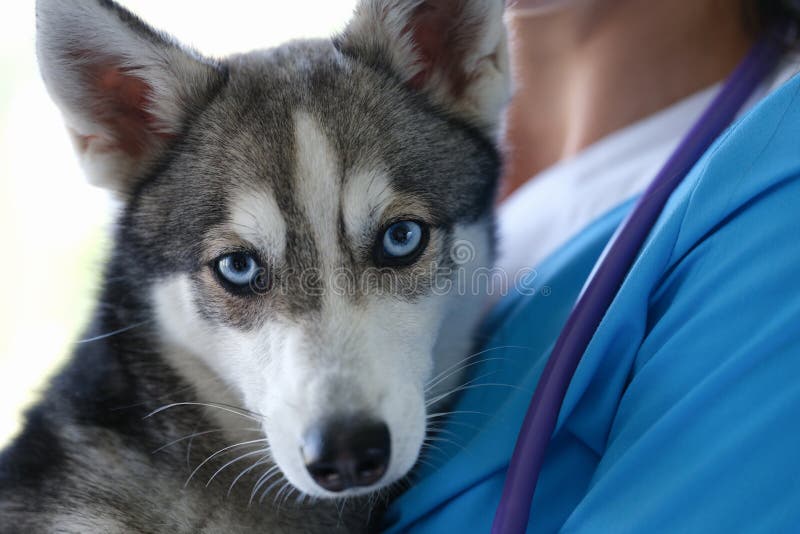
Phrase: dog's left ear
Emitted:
{"points": [[125, 89], [454, 51]]}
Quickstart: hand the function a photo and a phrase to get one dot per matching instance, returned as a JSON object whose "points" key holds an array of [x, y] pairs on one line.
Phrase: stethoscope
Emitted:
{"points": [[537, 428]]}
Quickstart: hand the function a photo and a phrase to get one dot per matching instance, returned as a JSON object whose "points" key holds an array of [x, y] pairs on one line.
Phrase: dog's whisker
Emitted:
{"points": [[237, 408], [472, 356], [428, 445], [428, 463], [462, 361], [275, 503], [268, 474], [431, 452], [289, 494], [433, 401], [475, 428], [264, 494], [432, 465], [286, 488], [467, 387], [438, 415], [113, 333], [464, 366], [222, 451], [453, 368], [205, 404], [231, 462], [340, 508], [267, 459], [474, 380], [437, 431], [198, 434], [189, 447], [405, 483], [431, 439], [371, 503]]}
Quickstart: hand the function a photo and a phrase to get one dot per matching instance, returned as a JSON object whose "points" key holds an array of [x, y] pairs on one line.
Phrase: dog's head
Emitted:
{"points": [[305, 222]]}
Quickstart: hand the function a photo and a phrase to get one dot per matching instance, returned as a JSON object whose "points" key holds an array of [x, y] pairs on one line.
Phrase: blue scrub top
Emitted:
{"points": [[684, 414]]}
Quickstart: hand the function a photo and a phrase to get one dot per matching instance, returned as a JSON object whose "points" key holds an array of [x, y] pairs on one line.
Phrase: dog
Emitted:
{"points": [[278, 315]]}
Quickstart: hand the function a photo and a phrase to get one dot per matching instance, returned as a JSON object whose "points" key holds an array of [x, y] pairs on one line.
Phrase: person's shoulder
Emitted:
{"points": [[721, 256], [758, 155], [730, 275]]}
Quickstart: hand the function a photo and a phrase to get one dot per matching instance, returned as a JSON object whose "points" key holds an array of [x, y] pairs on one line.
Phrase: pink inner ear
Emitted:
{"points": [[122, 105], [435, 32]]}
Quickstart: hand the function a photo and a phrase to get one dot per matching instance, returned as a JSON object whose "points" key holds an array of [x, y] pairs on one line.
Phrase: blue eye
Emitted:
{"points": [[239, 269], [401, 242]]}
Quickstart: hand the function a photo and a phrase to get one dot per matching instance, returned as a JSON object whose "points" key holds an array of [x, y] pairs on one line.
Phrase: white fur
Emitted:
{"points": [[367, 194], [199, 350], [317, 182], [257, 218]]}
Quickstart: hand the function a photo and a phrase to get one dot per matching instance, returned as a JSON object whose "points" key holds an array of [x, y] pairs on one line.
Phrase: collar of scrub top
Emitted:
{"points": [[512, 513]]}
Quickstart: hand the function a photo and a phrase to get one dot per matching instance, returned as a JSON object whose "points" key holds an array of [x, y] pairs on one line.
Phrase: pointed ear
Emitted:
{"points": [[125, 90], [455, 51]]}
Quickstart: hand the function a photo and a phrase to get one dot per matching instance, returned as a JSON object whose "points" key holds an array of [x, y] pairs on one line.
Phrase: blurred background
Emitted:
{"points": [[54, 224]]}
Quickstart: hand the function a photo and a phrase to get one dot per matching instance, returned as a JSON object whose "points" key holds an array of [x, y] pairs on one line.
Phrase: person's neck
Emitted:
{"points": [[582, 74]]}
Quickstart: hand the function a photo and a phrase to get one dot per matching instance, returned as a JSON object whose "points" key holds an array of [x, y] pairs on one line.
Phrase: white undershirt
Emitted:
{"points": [[559, 202]]}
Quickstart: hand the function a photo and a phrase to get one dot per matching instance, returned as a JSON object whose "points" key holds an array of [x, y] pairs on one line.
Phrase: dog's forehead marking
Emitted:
{"points": [[367, 194], [317, 180], [256, 218]]}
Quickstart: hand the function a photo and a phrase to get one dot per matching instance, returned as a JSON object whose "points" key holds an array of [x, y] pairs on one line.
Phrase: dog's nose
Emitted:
{"points": [[342, 454]]}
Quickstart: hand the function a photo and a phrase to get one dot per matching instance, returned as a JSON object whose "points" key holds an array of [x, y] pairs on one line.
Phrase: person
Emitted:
{"points": [[682, 415]]}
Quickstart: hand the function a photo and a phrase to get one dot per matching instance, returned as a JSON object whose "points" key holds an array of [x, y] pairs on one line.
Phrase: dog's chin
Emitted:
{"points": [[319, 493], [307, 487]]}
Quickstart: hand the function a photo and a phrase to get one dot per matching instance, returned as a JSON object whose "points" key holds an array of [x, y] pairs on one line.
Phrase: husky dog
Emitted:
{"points": [[277, 314]]}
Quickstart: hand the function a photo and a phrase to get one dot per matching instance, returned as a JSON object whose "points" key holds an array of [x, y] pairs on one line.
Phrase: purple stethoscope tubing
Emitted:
{"points": [[512, 513]]}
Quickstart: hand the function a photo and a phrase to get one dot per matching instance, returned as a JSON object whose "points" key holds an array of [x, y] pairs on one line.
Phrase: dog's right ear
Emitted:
{"points": [[125, 89], [452, 51]]}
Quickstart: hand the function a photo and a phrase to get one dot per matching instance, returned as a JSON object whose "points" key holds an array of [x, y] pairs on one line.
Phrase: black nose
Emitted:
{"points": [[347, 453]]}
